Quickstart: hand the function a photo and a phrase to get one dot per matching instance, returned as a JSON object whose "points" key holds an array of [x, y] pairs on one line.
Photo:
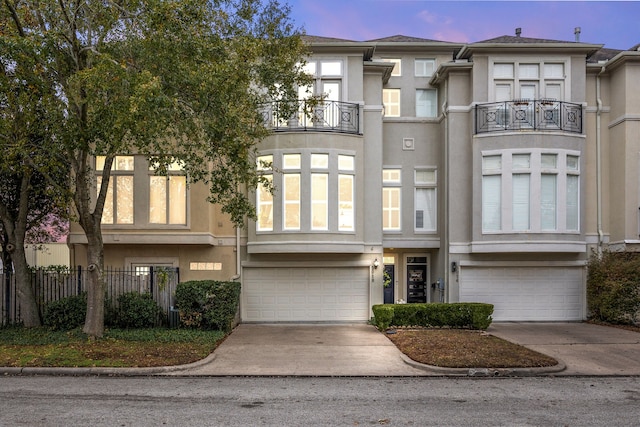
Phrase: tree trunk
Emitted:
{"points": [[94, 321], [29, 312]]}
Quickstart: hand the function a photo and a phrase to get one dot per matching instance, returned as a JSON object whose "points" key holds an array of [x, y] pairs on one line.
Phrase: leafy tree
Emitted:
{"points": [[171, 79], [30, 205]]}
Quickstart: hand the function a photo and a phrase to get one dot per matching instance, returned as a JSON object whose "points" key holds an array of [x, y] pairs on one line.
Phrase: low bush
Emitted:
{"points": [[453, 315], [66, 313], [136, 310], [613, 287], [208, 304]]}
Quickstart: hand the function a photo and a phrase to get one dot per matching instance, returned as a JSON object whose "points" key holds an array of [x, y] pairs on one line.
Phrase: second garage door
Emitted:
{"points": [[305, 294], [526, 293]]}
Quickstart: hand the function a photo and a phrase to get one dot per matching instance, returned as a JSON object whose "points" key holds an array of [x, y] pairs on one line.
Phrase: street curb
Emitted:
{"points": [[486, 372], [104, 371]]}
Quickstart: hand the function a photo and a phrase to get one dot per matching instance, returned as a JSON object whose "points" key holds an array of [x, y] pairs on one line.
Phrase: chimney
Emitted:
{"points": [[576, 32], [518, 31]]}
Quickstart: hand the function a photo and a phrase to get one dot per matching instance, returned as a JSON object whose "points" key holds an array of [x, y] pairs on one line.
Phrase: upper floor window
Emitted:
{"points": [[425, 67], [426, 103], [132, 178], [315, 192], [264, 202], [425, 199], [391, 189], [391, 102], [532, 191], [529, 80], [397, 68], [118, 205], [167, 196]]}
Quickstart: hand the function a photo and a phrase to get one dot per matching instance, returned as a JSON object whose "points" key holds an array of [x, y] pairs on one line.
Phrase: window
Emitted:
{"points": [[264, 203], [346, 168], [391, 199], [535, 191], [291, 191], [425, 67], [168, 196], [391, 101], [319, 192], [165, 196], [316, 192], [426, 103], [118, 205], [525, 80], [425, 200], [397, 68]]}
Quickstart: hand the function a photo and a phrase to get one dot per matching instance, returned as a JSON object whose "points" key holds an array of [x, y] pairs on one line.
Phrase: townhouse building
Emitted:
{"points": [[431, 172]]}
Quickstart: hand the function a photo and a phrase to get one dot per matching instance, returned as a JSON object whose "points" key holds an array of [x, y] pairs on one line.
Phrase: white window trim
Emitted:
{"points": [[540, 81], [536, 170], [426, 185]]}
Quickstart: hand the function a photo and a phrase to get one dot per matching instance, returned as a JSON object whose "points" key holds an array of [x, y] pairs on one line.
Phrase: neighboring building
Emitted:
{"points": [[467, 172]]}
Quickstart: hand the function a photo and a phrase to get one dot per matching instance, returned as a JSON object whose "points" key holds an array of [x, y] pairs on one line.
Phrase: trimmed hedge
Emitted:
{"points": [[66, 313], [208, 304], [137, 310], [613, 287], [471, 315]]}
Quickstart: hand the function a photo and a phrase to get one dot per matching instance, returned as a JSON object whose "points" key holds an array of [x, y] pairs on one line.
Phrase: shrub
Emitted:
{"points": [[613, 287], [208, 304], [453, 315], [66, 313], [136, 310]]}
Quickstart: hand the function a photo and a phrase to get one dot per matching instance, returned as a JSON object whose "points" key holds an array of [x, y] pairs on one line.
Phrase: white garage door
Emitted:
{"points": [[305, 294], [526, 293]]}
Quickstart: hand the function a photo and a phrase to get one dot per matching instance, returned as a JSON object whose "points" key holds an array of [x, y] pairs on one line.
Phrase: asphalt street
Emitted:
{"points": [[297, 401]]}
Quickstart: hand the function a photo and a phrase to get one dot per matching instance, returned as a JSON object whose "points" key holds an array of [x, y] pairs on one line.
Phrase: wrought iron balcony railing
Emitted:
{"points": [[528, 114], [300, 115]]}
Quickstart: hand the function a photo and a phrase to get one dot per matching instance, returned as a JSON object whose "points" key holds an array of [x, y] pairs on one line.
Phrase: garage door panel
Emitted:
{"points": [[305, 294], [546, 293]]}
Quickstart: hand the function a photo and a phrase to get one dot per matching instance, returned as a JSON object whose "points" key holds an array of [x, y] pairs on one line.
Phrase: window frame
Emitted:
{"points": [[429, 186], [391, 107], [391, 185], [506, 203]]}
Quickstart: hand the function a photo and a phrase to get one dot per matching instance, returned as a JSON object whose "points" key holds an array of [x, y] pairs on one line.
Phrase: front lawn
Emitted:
{"points": [[20, 347]]}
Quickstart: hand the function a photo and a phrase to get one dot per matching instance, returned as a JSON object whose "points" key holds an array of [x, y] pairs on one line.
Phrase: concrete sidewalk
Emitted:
{"points": [[585, 349]]}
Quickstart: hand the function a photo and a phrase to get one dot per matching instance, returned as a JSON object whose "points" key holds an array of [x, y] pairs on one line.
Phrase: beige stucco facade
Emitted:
{"points": [[524, 158]]}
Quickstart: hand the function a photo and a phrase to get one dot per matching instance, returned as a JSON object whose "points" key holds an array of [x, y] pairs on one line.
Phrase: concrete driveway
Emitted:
{"points": [[360, 350], [584, 348], [305, 350]]}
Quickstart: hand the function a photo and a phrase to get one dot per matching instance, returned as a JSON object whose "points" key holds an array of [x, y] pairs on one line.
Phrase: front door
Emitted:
{"points": [[417, 279]]}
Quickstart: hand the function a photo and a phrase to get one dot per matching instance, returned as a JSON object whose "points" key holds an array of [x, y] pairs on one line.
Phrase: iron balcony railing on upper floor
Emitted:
{"points": [[528, 114], [303, 115]]}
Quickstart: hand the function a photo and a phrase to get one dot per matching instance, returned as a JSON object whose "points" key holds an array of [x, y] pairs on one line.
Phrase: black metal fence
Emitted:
{"points": [[528, 114], [301, 115], [49, 286]]}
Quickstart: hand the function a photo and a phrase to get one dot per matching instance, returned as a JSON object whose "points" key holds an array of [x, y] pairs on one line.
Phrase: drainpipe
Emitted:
{"points": [[238, 267], [445, 188], [599, 163]]}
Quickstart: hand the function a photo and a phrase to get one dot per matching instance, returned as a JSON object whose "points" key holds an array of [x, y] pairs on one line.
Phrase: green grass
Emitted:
{"points": [[21, 347]]}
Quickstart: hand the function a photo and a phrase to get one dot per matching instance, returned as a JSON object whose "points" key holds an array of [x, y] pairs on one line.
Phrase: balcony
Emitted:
{"points": [[528, 115], [317, 116]]}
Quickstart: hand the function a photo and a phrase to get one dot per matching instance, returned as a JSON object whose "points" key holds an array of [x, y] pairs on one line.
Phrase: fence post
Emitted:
{"points": [[151, 280], [79, 282], [7, 276]]}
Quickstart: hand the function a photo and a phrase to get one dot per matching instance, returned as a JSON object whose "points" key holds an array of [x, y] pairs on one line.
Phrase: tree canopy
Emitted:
{"points": [[175, 80]]}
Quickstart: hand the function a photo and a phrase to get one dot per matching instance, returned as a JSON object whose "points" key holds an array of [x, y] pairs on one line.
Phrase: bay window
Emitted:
{"points": [[534, 191], [315, 192]]}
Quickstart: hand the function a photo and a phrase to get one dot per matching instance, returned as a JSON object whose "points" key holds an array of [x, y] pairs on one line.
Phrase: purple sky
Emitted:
{"points": [[616, 24]]}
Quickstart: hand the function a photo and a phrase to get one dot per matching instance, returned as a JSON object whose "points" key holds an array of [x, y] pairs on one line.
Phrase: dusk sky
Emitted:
{"points": [[616, 24]]}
